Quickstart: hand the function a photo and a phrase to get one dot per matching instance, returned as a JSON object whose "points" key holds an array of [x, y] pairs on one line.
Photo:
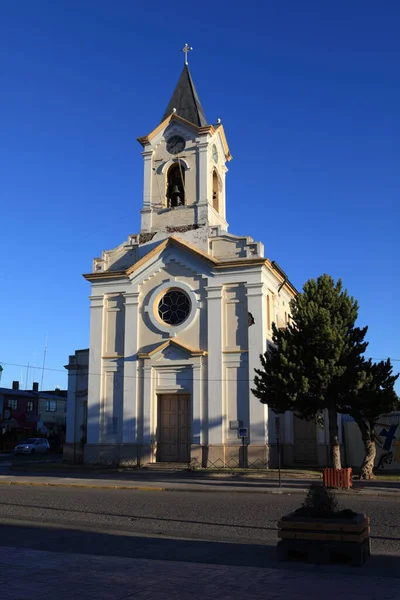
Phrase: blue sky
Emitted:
{"points": [[309, 96]]}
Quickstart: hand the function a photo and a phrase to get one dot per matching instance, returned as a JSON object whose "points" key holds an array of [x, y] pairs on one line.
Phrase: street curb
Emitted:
{"points": [[85, 486], [142, 488]]}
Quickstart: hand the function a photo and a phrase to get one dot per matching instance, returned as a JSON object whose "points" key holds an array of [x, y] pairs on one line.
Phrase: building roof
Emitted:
{"points": [[186, 101], [214, 262], [51, 395]]}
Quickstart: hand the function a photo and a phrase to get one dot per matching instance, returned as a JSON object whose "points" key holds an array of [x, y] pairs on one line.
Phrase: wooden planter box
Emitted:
{"points": [[324, 541]]}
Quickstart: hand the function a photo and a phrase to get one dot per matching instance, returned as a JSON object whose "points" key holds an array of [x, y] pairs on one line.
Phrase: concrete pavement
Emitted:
{"points": [[25, 573], [85, 544]]}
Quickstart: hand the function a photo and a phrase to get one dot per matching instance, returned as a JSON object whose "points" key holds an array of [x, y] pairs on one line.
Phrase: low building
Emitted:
{"points": [[25, 413], [77, 402]]}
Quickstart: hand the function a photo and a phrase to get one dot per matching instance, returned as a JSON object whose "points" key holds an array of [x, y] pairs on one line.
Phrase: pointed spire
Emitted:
{"points": [[186, 101]]}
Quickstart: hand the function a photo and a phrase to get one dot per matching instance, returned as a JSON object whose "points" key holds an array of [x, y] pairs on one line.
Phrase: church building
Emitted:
{"points": [[180, 313]]}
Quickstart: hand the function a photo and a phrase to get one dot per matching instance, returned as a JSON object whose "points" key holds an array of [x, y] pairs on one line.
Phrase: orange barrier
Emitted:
{"points": [[338, 478]]}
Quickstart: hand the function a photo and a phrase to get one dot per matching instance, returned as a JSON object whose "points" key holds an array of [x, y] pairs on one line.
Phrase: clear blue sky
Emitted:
{"points": [[309, 95]]}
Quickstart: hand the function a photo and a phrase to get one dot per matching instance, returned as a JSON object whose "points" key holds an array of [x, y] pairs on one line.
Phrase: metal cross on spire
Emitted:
{"points": [[185, 50]]}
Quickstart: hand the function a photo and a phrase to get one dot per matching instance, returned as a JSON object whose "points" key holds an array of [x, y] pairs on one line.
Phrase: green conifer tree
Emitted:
{"points": [[316, 362]]}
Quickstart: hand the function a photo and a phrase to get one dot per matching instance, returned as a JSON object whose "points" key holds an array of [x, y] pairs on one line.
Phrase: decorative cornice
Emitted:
{"points": [[217, 264], [105, 275], [228, 155], [240, 262], [287, 285]]}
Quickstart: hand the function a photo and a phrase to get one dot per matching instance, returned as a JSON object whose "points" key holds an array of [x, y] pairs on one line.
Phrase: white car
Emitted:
{"points": [[32, 446]]}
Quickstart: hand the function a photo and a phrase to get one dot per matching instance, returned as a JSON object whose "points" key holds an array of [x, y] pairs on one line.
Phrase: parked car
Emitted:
{"points": [[32, 446]]}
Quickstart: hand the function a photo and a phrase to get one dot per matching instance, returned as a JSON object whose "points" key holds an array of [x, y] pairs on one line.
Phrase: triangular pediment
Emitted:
{"points": [[172, 350], [171, 243], [208, 129]]}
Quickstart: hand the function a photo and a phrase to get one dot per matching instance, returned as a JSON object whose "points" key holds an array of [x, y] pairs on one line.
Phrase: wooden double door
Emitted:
{"points": [[305, 442], [174, 427]]}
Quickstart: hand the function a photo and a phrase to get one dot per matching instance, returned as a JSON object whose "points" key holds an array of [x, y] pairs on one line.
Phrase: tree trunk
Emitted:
{"points": [[334, 439], [367, 467]]}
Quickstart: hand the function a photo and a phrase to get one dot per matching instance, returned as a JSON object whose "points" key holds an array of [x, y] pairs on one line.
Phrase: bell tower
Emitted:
{"points": [[184, 169]]}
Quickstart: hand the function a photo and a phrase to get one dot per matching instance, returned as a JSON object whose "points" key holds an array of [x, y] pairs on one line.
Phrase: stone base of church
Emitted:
{"points": [[288, 456], [258, 456], [201, 456], [123, 455], [230, 456], [73, 453]]}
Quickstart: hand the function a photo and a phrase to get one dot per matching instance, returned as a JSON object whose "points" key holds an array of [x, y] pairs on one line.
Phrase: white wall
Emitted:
{"points": [[388, 431]]}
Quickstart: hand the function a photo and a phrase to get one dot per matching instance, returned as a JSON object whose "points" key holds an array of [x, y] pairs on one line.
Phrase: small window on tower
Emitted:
{"points": [[215, 191], [176, 186]]}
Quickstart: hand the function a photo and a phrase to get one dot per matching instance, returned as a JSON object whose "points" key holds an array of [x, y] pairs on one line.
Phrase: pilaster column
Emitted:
{"points": [[202, 172], [148, 401], [256, 305], [71, 434], [215, 383], [95, 369], [146, 214], [323, 433], [288, 439], [223, 173], [197, 417], [111, 406], [147, 179], [130, 393]]}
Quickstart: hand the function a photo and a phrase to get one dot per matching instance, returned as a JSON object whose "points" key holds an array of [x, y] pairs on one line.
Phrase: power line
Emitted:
{"points": [[122, 376], [140, 376]]}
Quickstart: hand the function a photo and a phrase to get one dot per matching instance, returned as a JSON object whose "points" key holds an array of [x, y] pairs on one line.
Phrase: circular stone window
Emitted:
{"points": [[174, 307]]}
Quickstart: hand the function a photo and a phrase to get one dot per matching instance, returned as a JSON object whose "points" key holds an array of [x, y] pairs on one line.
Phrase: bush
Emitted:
{"points": [[322, 503]]}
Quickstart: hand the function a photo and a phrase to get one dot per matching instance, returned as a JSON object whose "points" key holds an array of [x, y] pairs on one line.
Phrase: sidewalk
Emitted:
{"points": [[185, 482], [87, 577]]}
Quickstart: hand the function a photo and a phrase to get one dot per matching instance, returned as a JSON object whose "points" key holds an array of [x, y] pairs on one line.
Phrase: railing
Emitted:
{"points": [[232, 463]]}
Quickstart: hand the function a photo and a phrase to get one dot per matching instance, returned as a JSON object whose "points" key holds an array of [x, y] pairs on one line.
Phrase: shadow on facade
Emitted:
{"points": [[117, 446]]}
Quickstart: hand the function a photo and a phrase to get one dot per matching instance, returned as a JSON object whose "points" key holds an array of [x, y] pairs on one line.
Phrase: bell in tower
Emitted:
{"points": [[176, 186]]}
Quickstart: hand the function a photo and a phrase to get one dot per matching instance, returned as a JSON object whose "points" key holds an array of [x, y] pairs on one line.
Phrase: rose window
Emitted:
{"points": [[174, 307]]}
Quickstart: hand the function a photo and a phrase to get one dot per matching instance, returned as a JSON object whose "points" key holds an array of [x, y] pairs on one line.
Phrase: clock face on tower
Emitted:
{"points": [[215, 153], [175, 144]]}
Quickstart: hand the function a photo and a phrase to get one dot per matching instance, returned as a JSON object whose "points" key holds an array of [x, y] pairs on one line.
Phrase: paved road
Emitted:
{"points": [[120, 544], [103, 522]]}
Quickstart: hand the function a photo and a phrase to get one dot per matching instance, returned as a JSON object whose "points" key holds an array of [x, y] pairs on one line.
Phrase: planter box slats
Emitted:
{"points": [[324, 553], [323, 540], [339, 526], [324, 537]]}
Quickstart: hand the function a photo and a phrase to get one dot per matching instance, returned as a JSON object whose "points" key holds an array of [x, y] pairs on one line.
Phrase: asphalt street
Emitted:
{"points": [[217, 528]]}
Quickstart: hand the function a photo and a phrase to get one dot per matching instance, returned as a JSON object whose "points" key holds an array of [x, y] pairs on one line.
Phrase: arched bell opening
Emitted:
{"points": [[175, 186], [215, 191]]}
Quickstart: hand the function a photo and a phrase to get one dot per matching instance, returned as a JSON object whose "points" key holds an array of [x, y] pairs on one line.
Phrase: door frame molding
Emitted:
{"points": [[159, 395]]}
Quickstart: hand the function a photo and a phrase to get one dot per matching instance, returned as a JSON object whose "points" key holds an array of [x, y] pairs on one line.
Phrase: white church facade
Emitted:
{"points": [[179, 314]]}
